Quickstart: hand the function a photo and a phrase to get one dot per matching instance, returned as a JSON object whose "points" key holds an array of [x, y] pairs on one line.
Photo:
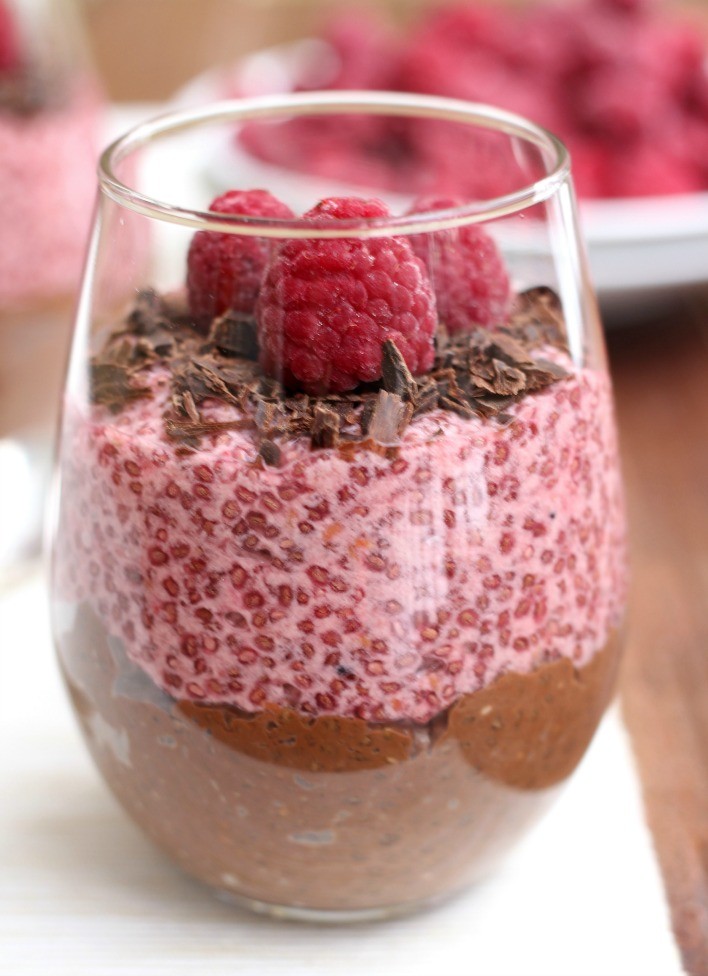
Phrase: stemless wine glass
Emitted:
{"points": [[51, 119], [339, 565]]}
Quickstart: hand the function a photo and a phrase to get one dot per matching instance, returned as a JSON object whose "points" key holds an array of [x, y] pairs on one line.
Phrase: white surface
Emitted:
{"points": [[83, 894], [640, 250]]}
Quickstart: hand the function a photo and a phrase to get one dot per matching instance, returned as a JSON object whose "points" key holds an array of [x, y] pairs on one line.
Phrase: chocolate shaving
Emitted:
{"points": [[480, 384], [507, 379], [325, 427], [147, 314], [492, 406], [235, 335], [365, 416], [457, 406], [426, 398], [190, 407], [502, 346], [203, 381], [481, 374], [397, 377], [111, 385], [179, 429], [539, 376], [389, 418], [270, 452], [266, 413], [537, 315], [154, 322]]}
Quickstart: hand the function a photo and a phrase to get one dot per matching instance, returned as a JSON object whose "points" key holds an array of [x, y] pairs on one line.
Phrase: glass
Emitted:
{"points": [[51, 115], [339, 565]]}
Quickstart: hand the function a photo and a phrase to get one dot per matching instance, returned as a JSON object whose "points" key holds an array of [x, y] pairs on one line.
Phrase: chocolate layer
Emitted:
{"points": [[333, 813]]}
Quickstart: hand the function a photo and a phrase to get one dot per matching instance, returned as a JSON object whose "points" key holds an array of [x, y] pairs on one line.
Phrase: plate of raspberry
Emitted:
{"points": [[623, 83]]}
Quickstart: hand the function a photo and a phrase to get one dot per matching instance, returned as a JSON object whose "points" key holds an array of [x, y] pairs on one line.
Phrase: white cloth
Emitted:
{"points": [[82, 893]]}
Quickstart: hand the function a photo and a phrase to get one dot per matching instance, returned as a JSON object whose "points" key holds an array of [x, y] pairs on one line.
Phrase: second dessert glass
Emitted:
{"points": [[339, 566], [51, 124]]}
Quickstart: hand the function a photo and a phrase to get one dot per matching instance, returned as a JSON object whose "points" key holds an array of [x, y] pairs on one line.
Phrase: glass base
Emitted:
{"points": [[325, 916]]}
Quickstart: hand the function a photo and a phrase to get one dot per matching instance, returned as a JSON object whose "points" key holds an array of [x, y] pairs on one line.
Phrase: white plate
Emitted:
{"points": [[642, 251]]}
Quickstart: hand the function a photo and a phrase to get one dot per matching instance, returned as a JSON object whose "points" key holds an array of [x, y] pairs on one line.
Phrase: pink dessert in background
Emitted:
{"points": [[47, 174], [51, 114], [51, 120]]}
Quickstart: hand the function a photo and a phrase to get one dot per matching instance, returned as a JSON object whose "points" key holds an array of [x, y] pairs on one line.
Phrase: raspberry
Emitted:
{"points": [[647, 170], [224, 271], [468, 272], [366, 51], [9, 41], [621, 103], [466, 26], [591, 161], [326, 306]]}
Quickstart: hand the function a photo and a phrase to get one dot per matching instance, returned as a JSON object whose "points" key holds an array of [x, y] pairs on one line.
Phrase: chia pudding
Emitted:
{"points": [[336, 635]]}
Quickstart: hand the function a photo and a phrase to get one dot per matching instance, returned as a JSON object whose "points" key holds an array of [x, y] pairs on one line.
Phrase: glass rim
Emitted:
{"points": [[322, 103]]}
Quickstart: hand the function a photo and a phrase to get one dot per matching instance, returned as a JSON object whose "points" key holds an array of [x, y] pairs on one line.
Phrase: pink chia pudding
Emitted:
{"points": [[368, 587]]}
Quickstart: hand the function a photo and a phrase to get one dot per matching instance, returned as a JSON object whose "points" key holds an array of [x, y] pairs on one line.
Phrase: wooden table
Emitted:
{"points": [[660, 370]]}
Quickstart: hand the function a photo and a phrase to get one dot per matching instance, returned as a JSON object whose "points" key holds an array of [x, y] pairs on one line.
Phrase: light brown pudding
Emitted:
{"points": [[329, 812]]}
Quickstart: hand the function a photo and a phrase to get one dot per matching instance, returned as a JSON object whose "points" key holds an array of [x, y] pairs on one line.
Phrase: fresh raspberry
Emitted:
{"points": [[468, 272], [224, 271], [326, 306], [9, 41]]}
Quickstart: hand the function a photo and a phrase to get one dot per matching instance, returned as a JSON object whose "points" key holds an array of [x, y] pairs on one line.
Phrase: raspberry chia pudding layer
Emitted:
{"points": [[337, 615]]}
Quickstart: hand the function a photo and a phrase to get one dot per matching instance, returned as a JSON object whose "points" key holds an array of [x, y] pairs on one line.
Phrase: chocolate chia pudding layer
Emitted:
{"points": [[333, 813]]}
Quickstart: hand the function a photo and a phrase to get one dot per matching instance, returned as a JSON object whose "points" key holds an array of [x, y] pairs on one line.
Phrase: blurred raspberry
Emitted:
{"points": [[366, 51], [10, 55], [543, 43], [622, 103], [459, 160], [326, 306], [364, 153], [674, 53], [467, 270], [590, 161], [593, 71], [224, 271], [648, 170], [469, 27]]}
